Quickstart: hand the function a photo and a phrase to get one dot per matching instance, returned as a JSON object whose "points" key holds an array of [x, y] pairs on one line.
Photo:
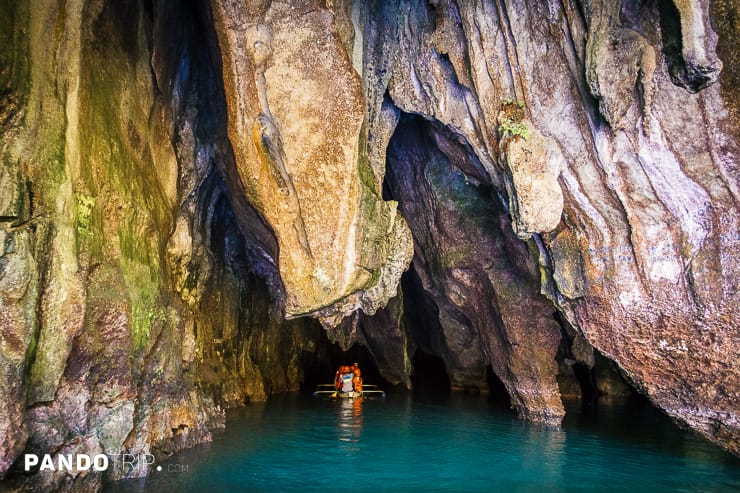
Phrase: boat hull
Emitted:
{"points": [[338, 394], [349, 395]]}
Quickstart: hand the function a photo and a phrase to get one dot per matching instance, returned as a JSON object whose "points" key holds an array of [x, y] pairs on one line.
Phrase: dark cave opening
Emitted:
{"points": [[421, 314], [497, 393], [670, 29], [455, 216], [430, 375], [585, 375], [428, 169], [691, 76], [585, 378], [319, 366]]}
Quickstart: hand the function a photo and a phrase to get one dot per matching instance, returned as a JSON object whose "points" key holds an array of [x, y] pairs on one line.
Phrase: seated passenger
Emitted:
{"points": [[347, 385], [338, 377], [357, 380]]}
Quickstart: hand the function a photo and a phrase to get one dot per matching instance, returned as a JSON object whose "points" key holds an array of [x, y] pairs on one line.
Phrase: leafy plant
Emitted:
{"points": [[514, 129], [510, 100]]}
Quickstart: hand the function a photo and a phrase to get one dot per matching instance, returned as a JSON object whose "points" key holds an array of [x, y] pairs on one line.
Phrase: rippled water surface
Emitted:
{"points": [[296, 443]]}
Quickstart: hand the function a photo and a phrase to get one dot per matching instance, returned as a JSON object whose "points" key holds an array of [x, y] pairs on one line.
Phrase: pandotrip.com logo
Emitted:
{"points": [[128, 464]]}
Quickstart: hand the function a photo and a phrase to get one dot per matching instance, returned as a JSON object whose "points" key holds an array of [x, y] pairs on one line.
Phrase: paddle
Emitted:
{"points": [[333, 393], [332, 385]]}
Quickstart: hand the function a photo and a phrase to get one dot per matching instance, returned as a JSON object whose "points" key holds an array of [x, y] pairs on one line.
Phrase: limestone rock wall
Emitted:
{"points": [[480, 277], [129, 314], [603, 130], [625, 106]]}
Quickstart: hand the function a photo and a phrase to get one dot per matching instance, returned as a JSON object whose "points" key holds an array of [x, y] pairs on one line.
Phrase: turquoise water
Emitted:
{"points": [[459, 443]]}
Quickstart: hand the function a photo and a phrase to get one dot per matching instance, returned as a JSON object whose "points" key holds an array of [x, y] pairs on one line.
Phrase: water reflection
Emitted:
{"points": [[545, 452], [349, 421]]}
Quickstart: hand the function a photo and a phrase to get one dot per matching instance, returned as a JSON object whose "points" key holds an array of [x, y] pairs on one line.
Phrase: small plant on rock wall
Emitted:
{"points": [[510, 102], [511, 118], [513, 129]]}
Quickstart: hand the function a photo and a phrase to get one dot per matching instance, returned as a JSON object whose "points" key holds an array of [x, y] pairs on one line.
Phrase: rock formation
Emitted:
{"points": [[187, 189], [297, 126]]}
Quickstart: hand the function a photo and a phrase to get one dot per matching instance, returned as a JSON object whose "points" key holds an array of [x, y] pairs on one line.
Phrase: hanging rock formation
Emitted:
{"points": [[187, 189], [296, 123]]}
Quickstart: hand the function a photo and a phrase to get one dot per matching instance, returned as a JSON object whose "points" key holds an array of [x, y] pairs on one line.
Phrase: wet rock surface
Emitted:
{"points": [[476, 273], [193, 197]]}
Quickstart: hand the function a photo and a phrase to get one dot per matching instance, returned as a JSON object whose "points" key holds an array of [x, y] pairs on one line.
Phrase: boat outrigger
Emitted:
{"points": [[348, 385], [329, 390]]}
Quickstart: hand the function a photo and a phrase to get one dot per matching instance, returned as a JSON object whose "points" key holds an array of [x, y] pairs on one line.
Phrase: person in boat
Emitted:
{"points": [[357, 380], [338, 377], [346, 380]]}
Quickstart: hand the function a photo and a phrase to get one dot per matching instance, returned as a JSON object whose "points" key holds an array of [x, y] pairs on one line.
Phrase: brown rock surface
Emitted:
{"points": [[480, 277], [296, 114], [644, 262]]}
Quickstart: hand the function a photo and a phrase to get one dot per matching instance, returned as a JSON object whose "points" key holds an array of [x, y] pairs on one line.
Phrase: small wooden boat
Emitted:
{"points": [[330, 391], [348, 395]]}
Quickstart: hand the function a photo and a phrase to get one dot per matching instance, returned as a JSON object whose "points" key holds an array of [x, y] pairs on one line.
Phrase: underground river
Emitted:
{"points": [[442, 443]]}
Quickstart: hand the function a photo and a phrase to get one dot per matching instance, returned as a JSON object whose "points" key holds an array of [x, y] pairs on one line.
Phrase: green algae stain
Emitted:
{"points": [[145, 312], [84, 205], [142, 275], [147, 308], [129, 217], [455, 257]]}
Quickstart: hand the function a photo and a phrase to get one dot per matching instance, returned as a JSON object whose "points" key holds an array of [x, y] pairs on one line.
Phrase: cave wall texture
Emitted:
{"points": [[192, 192]]}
